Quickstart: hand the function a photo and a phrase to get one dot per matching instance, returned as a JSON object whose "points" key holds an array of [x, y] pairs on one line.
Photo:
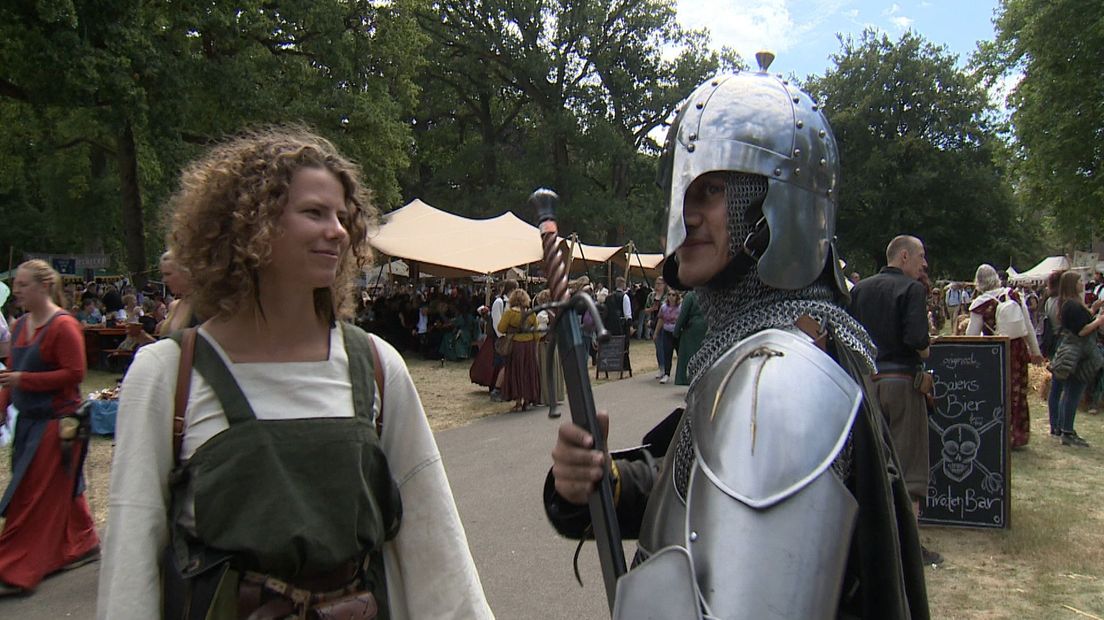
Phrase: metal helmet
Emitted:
{"points": [[758, 123]]}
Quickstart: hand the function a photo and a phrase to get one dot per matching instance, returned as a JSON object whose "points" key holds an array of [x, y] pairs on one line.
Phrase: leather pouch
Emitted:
{"points": [[357, 606], [925, 384]]}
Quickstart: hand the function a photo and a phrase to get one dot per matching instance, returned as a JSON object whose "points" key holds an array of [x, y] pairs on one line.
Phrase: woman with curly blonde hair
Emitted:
{"points": [[301, 477]]}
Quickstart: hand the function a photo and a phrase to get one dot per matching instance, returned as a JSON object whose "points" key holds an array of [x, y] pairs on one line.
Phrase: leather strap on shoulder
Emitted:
{"points": [[378, 366], [186, 339], [362, 351], [813, 329]]}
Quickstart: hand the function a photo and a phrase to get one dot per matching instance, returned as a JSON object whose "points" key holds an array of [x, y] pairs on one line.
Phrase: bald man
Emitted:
{"points": [[892, 306]]}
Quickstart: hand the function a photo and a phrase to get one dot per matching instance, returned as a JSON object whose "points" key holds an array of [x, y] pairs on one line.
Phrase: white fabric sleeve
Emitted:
{"points": [[497, 309], [137, 532], [430, 570], [1032, 339], [974, 326], [626, 306]]}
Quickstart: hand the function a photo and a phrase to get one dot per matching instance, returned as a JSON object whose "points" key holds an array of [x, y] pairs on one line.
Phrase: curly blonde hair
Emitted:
{"points": [[225, 216]]}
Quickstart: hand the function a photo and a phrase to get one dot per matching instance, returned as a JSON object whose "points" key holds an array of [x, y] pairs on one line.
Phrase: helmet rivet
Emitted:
{"points": [[699, 105], [815, 108], [715, 82], [690, 148], [829, 191], [797, 172], [797, 99], [693, 536], [797, 153], [693, 136], [800, 124], [785, 82], [777, 172], [821, 133], [823, 162]]}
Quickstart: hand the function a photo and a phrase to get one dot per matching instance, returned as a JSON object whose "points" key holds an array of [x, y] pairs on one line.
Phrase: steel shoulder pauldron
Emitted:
{"points": [[747, 501]]}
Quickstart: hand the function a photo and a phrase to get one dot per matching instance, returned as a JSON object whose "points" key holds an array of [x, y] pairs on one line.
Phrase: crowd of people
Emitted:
{"points": [[1044, 317]]}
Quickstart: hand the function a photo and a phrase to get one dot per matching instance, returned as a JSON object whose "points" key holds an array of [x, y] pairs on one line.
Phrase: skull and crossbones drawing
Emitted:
{"points": [[961, 444]]}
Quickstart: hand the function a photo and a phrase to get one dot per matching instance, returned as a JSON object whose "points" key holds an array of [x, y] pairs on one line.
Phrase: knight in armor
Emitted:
{"points": [[774, 494]]}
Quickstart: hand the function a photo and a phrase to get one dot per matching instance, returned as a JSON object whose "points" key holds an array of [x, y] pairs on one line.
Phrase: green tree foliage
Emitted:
{"points": [[918, 156], [563, 94], [1058, 106], [110, 100]]}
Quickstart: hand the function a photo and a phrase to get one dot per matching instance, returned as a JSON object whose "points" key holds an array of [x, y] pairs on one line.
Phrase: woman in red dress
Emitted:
{"points": [[48, 527], [1023, 350]]}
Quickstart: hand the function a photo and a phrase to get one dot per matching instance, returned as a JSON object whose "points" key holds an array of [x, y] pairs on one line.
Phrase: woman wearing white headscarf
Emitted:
{"points": [[1023, 348]]}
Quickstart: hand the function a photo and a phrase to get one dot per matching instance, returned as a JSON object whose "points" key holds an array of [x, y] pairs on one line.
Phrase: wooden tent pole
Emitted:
{"points": [[582, 255]]}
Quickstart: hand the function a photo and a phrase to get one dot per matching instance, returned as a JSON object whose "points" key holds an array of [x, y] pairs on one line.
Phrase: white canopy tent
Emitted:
{"points": [[449, 245], [649, 265], [1039, 273]]}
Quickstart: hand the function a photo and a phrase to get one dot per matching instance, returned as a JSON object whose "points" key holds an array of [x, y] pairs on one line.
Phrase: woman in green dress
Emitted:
{"points": [[690, 331]]}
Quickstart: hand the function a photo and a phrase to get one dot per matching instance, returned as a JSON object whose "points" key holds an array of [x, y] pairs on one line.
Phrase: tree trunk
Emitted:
{"points": [[490, 141], [560, 164], [134, 238], [99, 161]]}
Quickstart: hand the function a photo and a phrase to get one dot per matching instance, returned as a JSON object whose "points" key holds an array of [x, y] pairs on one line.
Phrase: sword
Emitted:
{"points": [[573, 356]]}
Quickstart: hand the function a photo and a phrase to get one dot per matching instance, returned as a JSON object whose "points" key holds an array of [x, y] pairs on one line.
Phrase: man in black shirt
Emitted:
{"points": [[892, 306]]}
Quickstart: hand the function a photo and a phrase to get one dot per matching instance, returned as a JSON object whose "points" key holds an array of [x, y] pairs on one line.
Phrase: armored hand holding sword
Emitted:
{"points": [[773, 494]]}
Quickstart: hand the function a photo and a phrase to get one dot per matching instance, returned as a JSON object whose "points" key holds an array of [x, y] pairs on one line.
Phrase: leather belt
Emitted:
{"points": [[263, 596], [893, 375]]}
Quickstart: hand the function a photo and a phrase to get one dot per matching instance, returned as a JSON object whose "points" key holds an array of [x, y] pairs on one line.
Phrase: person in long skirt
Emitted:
{"points": [[543, 344], [522, 380], [1023, 350], [690, 331], [48, 524]]}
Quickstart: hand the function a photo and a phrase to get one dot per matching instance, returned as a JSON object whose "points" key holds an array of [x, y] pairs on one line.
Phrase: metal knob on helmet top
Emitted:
{"points": [[757, 123]]}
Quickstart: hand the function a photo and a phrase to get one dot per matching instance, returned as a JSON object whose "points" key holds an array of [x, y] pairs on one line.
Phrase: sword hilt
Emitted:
{"points": [[555, 263]]}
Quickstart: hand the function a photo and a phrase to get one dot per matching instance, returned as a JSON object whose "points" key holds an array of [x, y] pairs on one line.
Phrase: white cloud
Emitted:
{"points": [[853, 13], [749, 26], [895, 17]]}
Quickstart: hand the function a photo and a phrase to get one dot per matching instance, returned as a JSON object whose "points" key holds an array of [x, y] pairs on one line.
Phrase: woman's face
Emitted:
{"points": [[28, 293], [704, 253], [312, 239], [175, 278]]}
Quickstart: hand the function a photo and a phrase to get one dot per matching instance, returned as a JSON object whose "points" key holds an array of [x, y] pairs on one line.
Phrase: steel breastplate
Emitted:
{"points": [[747, 488]]}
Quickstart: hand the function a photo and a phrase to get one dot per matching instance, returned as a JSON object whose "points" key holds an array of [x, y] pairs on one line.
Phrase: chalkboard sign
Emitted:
{"points": [[969, 481], [613, 356]]}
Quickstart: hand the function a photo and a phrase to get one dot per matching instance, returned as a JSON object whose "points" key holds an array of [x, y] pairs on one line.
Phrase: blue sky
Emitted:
{"points": [[802, 33]]}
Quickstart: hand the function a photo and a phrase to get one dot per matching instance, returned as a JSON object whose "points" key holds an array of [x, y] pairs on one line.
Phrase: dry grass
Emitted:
{"points": [[1052, 556], [1050, 560]]}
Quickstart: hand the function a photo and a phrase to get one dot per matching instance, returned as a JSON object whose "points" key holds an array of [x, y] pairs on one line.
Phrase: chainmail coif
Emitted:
{"points": [[750, 306]]}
